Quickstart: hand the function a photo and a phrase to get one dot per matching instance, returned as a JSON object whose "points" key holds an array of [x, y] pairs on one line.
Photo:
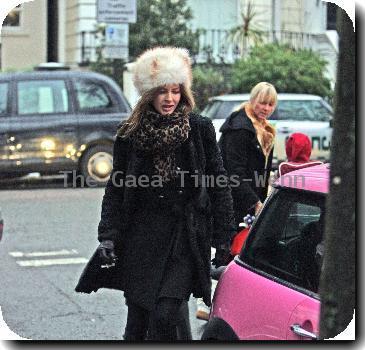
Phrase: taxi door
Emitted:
{"points": [[43, 130]]}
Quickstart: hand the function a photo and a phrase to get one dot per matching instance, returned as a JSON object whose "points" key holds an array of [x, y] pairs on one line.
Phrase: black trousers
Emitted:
{"points": [[158, 325]]}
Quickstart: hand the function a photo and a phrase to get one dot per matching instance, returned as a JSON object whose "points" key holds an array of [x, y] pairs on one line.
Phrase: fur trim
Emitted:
{"points": [[160, 66], [265, 132]]}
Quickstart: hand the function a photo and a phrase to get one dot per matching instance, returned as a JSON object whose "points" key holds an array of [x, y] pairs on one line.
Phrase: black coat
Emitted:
{"points": [[245, 162], [207, 216]]}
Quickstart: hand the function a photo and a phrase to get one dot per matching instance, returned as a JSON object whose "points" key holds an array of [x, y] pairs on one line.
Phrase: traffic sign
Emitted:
{"points": [[116, 11], [116, 41], [116, 52], [116, 34]]}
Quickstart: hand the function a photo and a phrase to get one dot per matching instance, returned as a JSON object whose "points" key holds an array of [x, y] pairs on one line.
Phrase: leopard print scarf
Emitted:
{"points": [[161, 135]]}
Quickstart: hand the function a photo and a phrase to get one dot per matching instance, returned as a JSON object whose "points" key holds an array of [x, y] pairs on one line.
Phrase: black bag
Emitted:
{"points": [[94, 276]]}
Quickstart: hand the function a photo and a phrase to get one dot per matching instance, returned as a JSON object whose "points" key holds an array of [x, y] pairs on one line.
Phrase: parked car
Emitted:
{"points": [[59, 120], [270, 290], [308, 114]]}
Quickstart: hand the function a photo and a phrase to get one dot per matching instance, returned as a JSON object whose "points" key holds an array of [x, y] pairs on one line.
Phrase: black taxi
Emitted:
{"points": [[59, 121]]}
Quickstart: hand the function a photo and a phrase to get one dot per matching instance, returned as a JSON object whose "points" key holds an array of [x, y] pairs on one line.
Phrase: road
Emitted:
{"points": [[49, 235]]}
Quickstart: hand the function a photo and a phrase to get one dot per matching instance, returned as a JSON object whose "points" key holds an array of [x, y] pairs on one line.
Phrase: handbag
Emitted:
{"points": [[239, 240]]}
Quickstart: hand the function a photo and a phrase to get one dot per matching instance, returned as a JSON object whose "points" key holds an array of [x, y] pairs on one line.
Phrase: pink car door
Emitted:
{"points": [[267, 310], [269, 292], [304, 321]]}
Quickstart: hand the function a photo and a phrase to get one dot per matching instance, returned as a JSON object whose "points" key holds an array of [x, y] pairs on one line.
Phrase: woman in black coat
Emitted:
{"points": [[246, 144], [160, 215]]}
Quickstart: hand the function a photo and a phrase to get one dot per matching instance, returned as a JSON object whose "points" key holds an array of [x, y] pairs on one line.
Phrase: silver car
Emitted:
{"points": [[308, 114]]}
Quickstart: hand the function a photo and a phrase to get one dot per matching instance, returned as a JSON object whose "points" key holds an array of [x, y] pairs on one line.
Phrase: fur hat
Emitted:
{"points": [[160, 66]]}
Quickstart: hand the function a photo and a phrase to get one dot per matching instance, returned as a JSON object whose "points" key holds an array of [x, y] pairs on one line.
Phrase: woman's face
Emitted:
{"points": [[263, 109], [167, 98]]}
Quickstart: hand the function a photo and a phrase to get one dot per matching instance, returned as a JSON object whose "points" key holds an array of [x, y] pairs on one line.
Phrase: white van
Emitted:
{"points": [[308, 114]]}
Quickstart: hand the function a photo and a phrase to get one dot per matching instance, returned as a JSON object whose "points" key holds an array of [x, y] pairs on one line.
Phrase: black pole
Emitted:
{"points": [[52, 30]]}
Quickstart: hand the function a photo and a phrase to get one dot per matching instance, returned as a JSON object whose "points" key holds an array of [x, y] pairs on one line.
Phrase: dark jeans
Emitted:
{"points": [[160, 324]]}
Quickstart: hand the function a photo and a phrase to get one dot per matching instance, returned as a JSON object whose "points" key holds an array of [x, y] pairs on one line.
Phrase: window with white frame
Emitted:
{"points": [[13, 17]]}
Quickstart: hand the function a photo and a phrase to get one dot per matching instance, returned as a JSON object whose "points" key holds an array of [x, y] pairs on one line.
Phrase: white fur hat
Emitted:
{"points": [[160, 66]]}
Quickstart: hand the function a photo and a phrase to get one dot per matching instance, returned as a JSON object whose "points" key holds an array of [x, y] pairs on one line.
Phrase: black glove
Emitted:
{"points": [[106, 253], [222, 255]]}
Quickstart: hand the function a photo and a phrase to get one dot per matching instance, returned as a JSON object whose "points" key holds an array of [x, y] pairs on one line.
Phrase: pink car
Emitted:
{"points": [[269, 291]]}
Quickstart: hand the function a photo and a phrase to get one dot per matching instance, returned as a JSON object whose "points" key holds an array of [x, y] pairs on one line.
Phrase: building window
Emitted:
{"points": [[13, 18], [331, 16]]}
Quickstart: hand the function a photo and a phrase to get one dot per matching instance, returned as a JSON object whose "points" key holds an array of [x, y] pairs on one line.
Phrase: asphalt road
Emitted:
{"points": [[49, 234]]}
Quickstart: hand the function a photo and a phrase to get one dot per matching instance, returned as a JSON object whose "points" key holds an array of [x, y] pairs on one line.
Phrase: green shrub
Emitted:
{"points": [[290, 70], [209, 81], [113, 68], [162, 23]]}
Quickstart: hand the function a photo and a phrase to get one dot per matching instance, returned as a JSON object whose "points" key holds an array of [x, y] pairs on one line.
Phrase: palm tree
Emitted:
{"points": [[248, 32]]}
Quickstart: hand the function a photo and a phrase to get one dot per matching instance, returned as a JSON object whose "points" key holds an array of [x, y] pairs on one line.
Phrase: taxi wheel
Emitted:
{"points": [[96, 165]]}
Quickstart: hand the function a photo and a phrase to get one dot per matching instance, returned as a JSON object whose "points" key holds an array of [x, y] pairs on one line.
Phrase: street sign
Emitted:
{"points": [[116, 34], [116, 11], [116, 52], [116, 41]]}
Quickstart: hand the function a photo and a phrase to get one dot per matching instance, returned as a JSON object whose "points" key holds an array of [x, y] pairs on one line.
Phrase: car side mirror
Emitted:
{"points": [[331, 122]]}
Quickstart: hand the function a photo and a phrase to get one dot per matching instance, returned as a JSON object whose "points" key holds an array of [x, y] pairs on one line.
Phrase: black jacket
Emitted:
{"points": [[208, 215], [245, 162]]}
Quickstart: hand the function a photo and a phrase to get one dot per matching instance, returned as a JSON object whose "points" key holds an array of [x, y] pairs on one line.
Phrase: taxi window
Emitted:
{"points": [[92, 96], [284, 242], [42, 97], [4, 87]]}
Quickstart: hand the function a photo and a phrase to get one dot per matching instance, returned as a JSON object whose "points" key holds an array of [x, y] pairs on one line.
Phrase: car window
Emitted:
{"points": [[42, 96], [92, 95], [310, 110], [4, 87], [220, 109], [283, 242], [226, 108], [321, 112], [206, 109], [211, 110]]}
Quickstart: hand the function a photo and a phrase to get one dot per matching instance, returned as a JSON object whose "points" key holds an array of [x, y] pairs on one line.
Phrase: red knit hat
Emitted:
{"points": [[298, 148]]}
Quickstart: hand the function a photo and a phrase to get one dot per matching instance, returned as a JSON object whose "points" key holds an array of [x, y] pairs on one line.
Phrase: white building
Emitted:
{"points": [[64, 30], [24, 36]]}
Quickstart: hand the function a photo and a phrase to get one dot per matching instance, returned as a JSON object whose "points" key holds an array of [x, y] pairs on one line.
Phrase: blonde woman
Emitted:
{"points": [[158, 216], [247, 143]]}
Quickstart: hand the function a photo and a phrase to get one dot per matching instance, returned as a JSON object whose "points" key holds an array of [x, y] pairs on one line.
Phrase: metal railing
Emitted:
{"points": [[214, 45], [219, 47], [90, 42]]}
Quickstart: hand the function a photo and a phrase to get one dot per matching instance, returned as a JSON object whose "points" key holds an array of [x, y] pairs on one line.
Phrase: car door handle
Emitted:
{"points": [[298, 330]]}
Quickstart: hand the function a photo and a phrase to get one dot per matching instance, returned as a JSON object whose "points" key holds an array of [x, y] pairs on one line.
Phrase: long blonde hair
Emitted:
{"points": [[145, 102]]}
